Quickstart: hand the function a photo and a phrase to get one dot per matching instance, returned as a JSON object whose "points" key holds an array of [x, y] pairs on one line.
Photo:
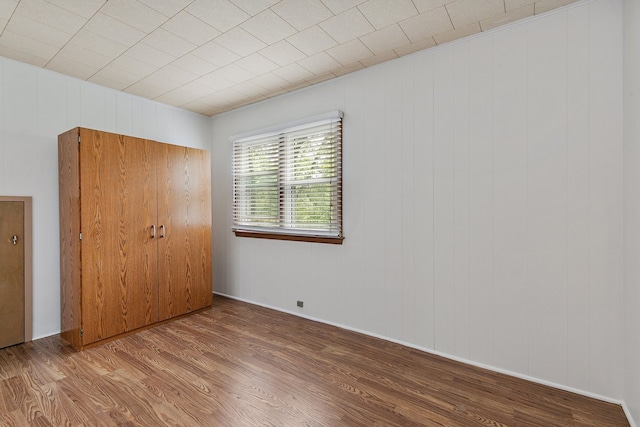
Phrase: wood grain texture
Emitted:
{"points": [[12, 272], [144, 211], [184, 221], [27, 240], [69, 197], [238, 364], [138, 251], [101, 295], [119, 270]]}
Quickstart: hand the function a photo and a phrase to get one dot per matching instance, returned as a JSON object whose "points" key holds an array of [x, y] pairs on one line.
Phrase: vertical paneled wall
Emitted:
{"points": [[483, 202], [37, 105], [632, 206]]}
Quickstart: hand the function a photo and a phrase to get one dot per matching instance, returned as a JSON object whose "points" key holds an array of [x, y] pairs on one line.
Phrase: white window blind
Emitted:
{"points": [[289, 180]]}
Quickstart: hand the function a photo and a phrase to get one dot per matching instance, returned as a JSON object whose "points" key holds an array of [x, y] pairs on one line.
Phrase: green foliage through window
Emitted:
{"points": [[290, 181]]}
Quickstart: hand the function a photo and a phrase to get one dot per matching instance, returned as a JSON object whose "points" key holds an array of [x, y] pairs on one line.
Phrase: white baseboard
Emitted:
{"points": [[628, 414], [448, 356]]}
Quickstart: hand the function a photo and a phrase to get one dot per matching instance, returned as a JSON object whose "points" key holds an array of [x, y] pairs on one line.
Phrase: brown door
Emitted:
{"points": [[184, 220], [119, 250], [12, 262]]}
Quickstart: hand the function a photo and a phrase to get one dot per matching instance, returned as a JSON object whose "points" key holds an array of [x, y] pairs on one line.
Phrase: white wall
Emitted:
{"points": [[632, 205], [37, 105], [483, 202]]}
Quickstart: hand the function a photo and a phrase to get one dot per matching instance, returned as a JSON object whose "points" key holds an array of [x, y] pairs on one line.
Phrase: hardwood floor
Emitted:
{"points": [[242, 365]]}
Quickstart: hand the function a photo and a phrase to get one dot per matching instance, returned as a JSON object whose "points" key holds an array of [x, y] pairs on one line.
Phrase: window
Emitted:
{"points": [[287, 182]]}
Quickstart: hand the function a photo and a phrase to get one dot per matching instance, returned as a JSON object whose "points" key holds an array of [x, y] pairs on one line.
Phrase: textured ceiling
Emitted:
{"points": [[211, 56]]}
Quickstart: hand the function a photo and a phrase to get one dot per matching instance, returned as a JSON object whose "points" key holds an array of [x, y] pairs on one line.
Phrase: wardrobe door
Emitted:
{"points": [[119, 252], [184, 218], [70, 278]]}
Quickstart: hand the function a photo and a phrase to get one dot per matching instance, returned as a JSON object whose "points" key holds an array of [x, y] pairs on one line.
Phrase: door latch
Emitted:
{"points": [[14, 239]]}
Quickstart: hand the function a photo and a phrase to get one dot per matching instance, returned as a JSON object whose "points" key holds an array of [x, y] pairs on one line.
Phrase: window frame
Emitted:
{"points": [[283, 230]]}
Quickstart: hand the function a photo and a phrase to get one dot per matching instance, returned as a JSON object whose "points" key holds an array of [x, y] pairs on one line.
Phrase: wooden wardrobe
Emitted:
{"points": [[135, 233]]}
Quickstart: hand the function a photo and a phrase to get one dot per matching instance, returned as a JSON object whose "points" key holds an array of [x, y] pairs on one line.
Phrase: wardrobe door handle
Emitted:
{"points": [[161, 230], [153, 231]]}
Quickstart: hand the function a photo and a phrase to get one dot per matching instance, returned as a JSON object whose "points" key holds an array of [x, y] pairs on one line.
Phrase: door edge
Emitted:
{"points": [[28, 262]]}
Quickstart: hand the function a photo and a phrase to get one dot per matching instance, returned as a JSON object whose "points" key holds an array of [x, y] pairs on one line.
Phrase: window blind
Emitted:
{"points": [[289, 180]]}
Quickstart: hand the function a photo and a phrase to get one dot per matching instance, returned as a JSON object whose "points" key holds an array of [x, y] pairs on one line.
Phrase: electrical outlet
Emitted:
{"points": [[300, 303]]}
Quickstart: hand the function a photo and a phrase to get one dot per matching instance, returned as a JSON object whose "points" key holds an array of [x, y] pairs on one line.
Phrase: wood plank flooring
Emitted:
{"points": [[242, 365]]}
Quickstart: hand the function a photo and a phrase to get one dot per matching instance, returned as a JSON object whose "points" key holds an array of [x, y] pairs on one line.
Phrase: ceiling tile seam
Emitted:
{"points": [[198, 77], [449, 15], [321, 29], [60, 7], [310, 79], [71, 11], [195, 17], [129, 48], [242, 9], [169, 17], [25, 51], [142, 5], [183, 85], [351, 63], [296, 62], [418, 13], [285, 39], [397, 24], [173, 61], [293, 85], [164, 51], [40, 42], [178, 35], [142, 78], [105, 66], [288, 88], [404, 32], [319, 22], [74, 34], [238, 25], [432, 38], [366, 18], [10, 18], [123, 54], [232, 28]]}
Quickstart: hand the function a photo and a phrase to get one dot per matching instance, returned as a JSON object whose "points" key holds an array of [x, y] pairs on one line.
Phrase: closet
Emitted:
{"points": [[135, 233]]}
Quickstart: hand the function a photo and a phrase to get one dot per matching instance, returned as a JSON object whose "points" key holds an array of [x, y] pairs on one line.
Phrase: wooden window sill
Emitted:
{"points": [[297, 238]]}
